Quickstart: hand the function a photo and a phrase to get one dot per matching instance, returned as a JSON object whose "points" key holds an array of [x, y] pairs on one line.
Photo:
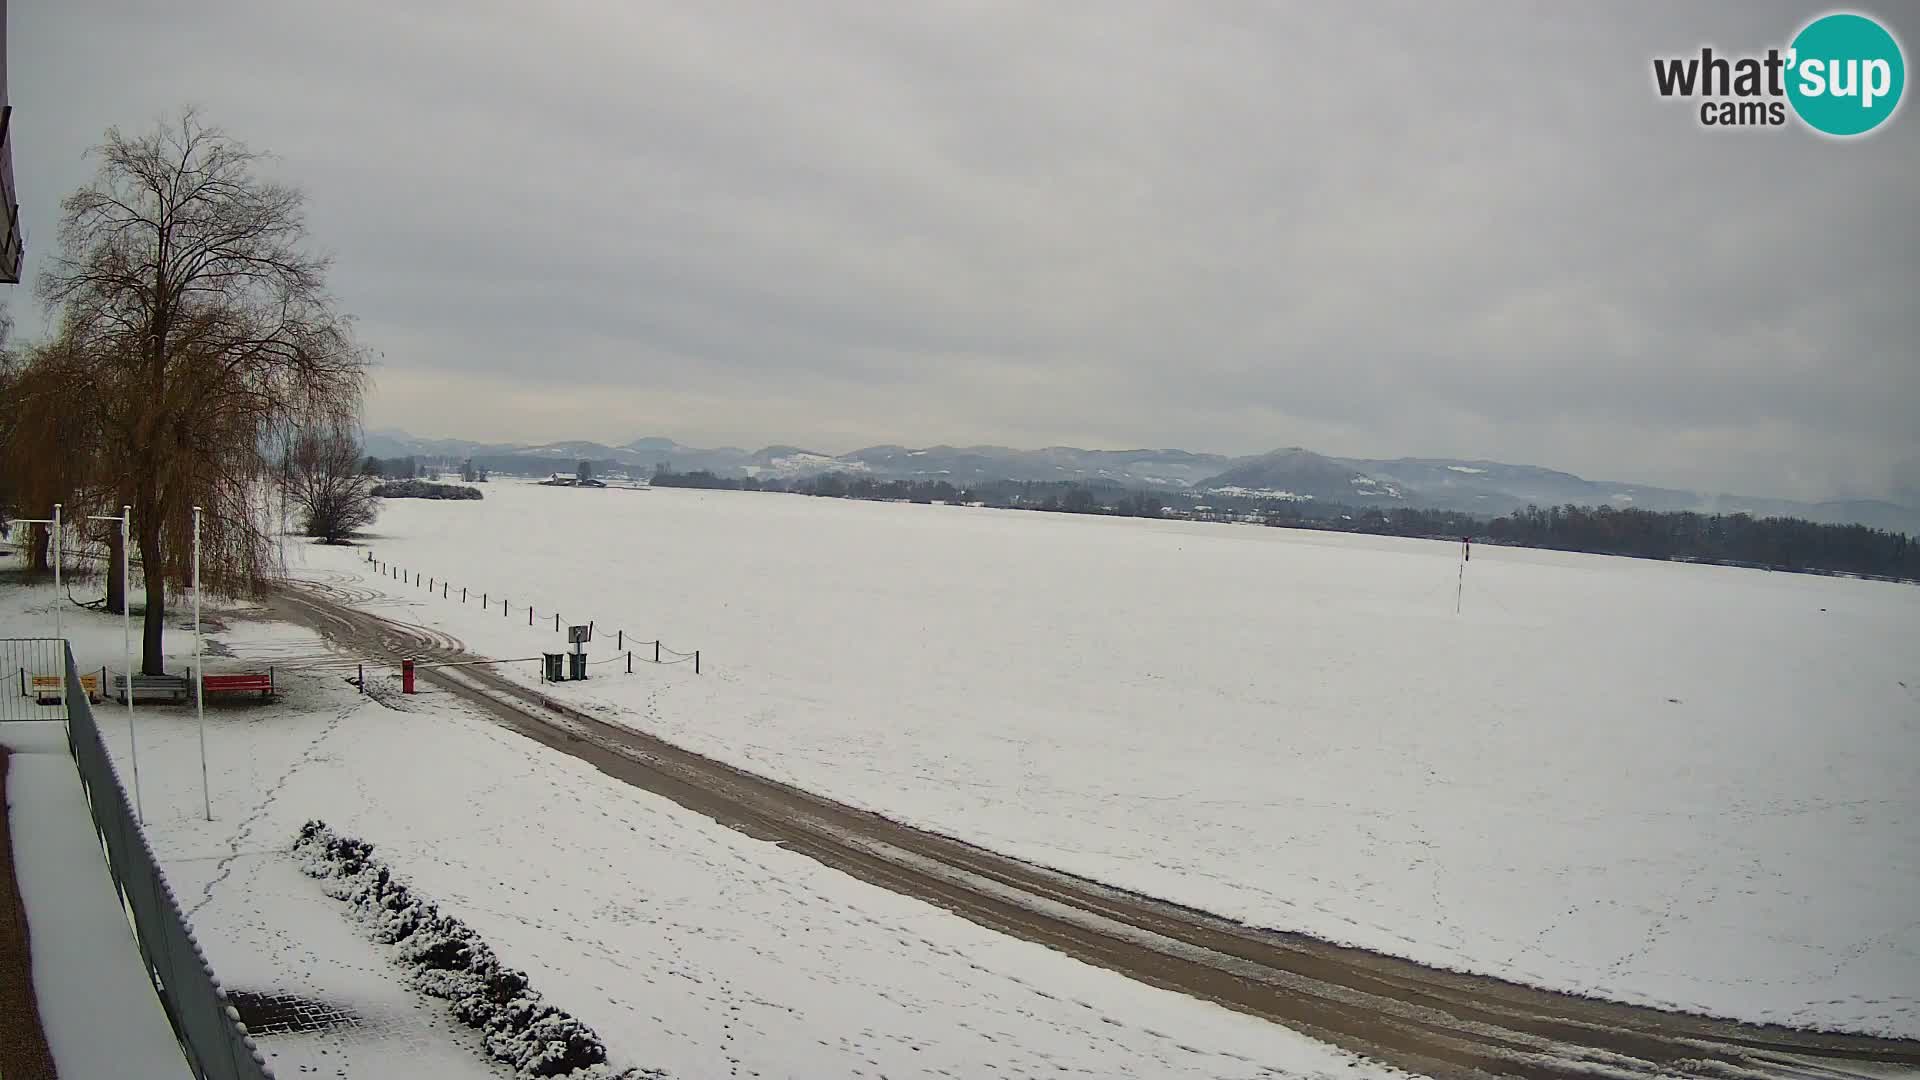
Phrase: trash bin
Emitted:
{"points": [[576, 665], [550, 666]]}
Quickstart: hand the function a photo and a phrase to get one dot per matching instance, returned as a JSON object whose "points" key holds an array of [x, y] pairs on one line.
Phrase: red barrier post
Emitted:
{"points": [[406, 675]]}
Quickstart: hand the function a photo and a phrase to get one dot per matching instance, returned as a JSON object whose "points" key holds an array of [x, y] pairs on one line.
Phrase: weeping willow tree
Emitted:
{"points": [[201, 336], [50, 446]]}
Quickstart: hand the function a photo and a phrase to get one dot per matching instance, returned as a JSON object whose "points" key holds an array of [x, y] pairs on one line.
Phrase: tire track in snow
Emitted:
{"points": [[1408, 1015]]}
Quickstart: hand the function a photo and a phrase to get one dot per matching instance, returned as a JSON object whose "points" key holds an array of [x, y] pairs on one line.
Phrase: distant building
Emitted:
{"points": [[567, 479]]}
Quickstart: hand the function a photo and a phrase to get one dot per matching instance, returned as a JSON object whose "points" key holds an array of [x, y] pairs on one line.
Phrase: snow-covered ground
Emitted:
{"points": [[1671, 784], [688, 946]]}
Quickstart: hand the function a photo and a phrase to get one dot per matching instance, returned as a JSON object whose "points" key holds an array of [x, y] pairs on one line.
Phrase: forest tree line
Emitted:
{"points": [[1734, 539], [1780, 543]]}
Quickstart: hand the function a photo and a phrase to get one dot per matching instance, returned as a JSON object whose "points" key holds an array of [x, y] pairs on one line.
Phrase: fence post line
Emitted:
{"points": [[164, 961], [656, 650], [696, 661], [629, 661], [619, 639], [363, 678], [463, 594], [529, 614], [556, 622]]}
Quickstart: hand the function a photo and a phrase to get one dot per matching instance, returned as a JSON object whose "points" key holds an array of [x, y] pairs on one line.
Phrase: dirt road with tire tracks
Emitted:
{"points": [[1403, 1014]]}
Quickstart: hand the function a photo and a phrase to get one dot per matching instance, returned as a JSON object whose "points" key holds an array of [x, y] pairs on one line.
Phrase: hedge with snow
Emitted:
{"points": [[446, 959]]}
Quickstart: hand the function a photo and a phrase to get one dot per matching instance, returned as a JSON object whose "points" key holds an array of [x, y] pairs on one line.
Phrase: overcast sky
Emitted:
{"points": [[1372, 230]]}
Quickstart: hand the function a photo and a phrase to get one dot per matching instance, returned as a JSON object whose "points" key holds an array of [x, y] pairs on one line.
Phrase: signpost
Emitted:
{"points": [[578, 636]]}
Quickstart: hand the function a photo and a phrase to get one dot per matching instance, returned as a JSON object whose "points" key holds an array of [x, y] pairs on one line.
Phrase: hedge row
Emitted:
{"points": [[448, 960], [424, 489]]}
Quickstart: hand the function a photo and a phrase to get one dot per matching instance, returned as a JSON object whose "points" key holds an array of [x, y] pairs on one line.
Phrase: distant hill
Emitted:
{"points": [[1489, 488], [1295, 474]]}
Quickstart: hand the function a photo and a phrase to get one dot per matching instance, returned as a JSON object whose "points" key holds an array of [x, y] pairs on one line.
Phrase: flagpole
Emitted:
{"points": [[125, 519], [126, 636], [199, 676], [53, 540], [58, 592]]}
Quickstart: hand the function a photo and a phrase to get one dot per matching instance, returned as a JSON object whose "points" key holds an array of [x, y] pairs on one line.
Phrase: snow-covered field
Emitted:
{"points": [[1671, 784], [687, 946]]}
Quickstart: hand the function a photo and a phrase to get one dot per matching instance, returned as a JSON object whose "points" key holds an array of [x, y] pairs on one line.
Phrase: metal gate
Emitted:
{"points": [[34, 673]]}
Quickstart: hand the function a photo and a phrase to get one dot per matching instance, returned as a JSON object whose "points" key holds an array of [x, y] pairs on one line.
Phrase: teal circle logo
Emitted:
{"points": [[1845, 74]]}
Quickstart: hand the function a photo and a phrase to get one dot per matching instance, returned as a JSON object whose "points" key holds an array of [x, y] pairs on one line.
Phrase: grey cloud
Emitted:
{"points": [[1372, 229]]}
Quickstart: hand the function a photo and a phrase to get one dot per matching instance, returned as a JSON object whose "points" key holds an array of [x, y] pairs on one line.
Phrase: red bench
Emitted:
{"points": [[239, 683]]}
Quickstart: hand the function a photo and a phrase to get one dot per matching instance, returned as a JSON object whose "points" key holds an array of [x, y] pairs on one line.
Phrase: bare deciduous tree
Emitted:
{"points": [[325, 480], [184, 280]]}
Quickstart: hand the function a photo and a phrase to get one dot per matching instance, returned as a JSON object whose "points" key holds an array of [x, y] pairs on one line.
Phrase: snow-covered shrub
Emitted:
{"points": [[444, 958], [550, 1044]]}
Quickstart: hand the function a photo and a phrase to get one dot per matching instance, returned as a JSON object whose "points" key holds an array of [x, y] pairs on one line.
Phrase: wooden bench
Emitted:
{"points": [[152, 688], [47, 688], [250, 682]]}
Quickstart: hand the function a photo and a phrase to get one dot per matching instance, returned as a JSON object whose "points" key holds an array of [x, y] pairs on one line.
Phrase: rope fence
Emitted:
{"points": [[628, 648], [435, 584]]}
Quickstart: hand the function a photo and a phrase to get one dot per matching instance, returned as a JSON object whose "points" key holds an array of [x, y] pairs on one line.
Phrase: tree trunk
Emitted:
{"points": [[153, 660], [116, 576], [41, 541]]}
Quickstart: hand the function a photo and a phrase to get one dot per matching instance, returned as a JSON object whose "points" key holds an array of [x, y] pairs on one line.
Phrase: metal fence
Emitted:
{"points": [[207, 1024], [35, 672]]}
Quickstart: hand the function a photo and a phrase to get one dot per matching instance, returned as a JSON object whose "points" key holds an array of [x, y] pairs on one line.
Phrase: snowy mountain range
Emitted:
{"points": [[1482, 487]]}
